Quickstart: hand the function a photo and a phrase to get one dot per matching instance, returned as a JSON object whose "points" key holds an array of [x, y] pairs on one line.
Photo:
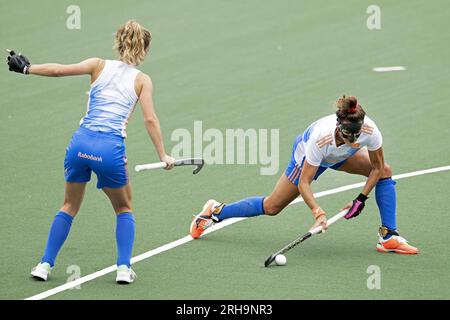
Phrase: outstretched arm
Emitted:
{"points": [[19, 63], [88, 66]]}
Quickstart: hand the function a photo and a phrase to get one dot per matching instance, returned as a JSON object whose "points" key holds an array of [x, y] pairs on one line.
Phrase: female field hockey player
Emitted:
{"points": [[350, 143], [98, 144]]}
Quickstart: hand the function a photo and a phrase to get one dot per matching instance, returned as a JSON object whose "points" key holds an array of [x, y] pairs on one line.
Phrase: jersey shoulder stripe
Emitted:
{"points": [[328, 139], [367, 129]]}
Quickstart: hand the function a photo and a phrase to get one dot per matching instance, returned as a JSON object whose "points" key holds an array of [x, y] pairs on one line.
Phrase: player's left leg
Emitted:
{"points": [[59, 230], [385, 196]]}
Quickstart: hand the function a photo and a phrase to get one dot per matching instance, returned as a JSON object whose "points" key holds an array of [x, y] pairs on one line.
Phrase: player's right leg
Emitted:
{"points": [[125, 231], [284, 193], [113, 179]]}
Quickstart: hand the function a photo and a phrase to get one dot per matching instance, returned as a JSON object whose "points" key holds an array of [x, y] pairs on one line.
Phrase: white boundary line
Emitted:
{"points": [[389, 69], [215, 227]]}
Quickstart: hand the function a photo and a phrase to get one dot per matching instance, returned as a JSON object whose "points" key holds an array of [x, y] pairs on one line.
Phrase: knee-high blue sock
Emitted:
{"points": [[248, 207], [125, 238], [386, 200], [58, 234]]}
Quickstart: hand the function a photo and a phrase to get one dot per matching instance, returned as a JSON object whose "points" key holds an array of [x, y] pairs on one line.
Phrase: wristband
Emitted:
{"points": [[318, 213]]}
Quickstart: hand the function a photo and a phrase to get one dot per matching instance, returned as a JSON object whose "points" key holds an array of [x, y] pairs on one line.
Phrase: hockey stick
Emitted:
{"points": [[307, 235], [182, 162]]}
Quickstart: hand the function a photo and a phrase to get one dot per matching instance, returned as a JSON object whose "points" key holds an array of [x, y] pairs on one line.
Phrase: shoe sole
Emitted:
{"points": [[195, 236], [124, 280], [205, 207], [384, 250], [39, 276]]}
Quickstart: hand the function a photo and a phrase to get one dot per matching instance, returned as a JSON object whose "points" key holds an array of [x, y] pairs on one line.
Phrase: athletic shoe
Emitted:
{"points": [[203, 220], [396, 244], [41, 271], [125, 275]]}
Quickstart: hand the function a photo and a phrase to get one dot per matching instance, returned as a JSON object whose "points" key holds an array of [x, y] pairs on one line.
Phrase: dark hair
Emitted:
{"points": [[349, 109]]}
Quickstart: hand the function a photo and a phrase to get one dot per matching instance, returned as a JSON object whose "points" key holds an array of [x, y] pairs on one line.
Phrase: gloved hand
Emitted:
{"points": [[355, 207], [18, 62]]}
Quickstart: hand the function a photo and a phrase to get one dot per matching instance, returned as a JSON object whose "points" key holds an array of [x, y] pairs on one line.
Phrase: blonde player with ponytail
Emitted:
{"points": [[347, 141], [98, 144]]}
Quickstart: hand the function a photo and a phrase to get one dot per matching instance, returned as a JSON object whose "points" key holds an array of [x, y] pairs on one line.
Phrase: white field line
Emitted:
{"points": [[215, 227], [389, 69]]}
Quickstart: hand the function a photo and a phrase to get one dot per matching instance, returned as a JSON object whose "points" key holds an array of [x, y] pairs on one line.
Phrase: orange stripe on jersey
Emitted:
{"points": [[328, 136], [324, 141], [323, 138], [367, 129]]}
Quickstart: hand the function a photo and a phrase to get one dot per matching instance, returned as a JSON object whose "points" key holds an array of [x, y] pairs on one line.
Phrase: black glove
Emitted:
{"points": [[357, 207], [18, 62]]}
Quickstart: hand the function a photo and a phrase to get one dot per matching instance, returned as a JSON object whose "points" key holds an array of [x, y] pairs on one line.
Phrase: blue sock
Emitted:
{"points": [[386, 200], [125, 238], [58, 234], [248, 207]]}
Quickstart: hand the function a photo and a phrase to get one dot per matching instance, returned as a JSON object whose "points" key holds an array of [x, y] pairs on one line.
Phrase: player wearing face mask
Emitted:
{"points": [[346, 141]]}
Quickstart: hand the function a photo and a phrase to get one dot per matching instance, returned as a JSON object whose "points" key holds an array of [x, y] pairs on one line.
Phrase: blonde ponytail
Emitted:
{"points": [[132, 41]]}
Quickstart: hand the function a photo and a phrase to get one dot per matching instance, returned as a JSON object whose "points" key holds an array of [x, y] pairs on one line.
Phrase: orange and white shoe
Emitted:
{"points": [[396, 244], [204, 219]]}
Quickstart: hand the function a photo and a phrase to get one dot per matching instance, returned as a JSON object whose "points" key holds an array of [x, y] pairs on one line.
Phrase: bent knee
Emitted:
{"points": [[272, 209], [387, 171]]}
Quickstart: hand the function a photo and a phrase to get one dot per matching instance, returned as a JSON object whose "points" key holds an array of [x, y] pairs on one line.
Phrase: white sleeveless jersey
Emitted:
{"points": [[112, 99], [318, 145]]}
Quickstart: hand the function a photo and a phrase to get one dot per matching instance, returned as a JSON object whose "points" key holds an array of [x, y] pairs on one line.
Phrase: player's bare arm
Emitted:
{"points": [[377, 161], [304, 186], [20, 63], [144, 88], [91, 66]]}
